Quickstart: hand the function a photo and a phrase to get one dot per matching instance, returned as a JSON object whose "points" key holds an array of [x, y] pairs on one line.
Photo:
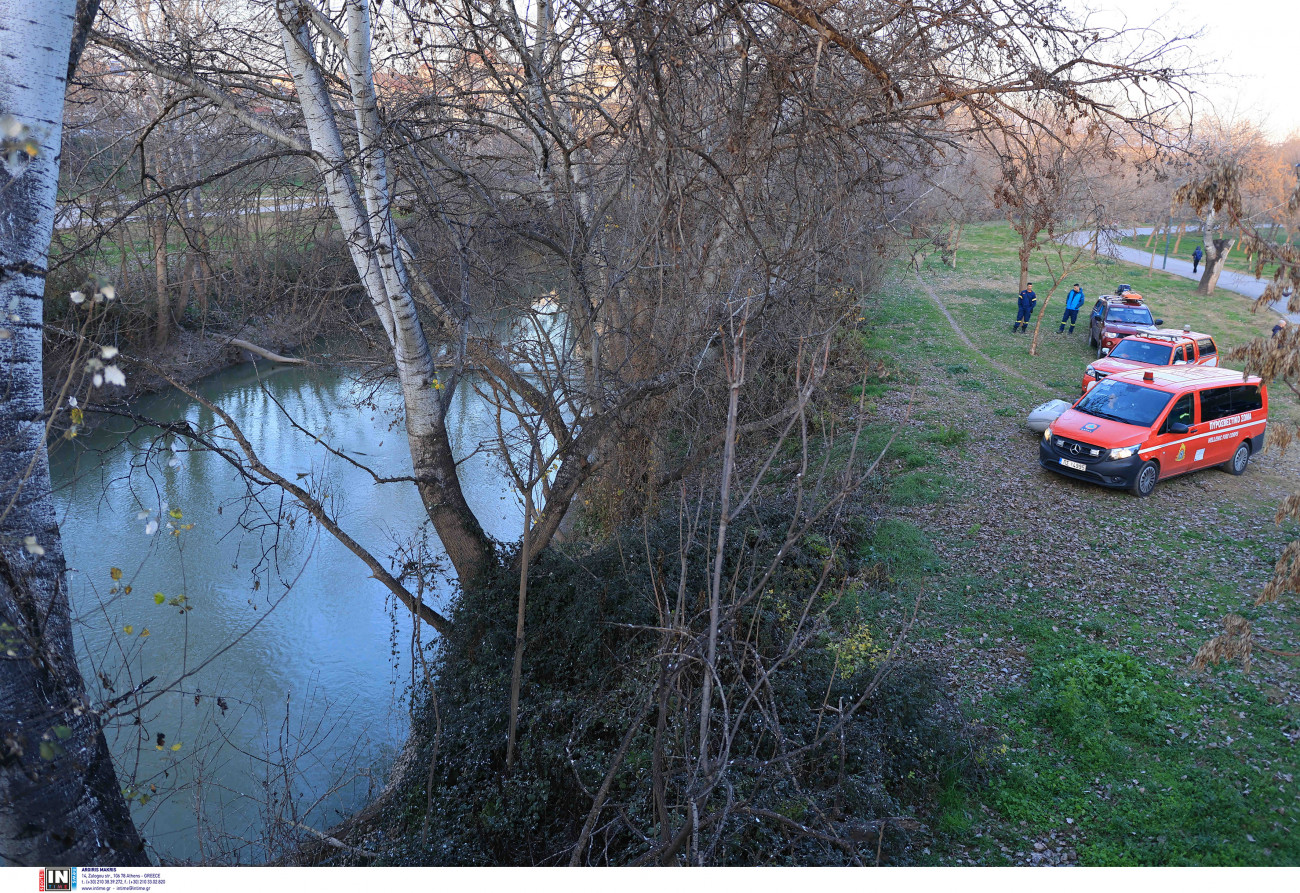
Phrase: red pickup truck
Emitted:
{"points": [[1161, 347]]}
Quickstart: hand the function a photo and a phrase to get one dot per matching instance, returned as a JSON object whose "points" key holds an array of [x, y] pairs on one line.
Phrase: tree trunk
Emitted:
{"points": [[197, 271], [162, 302], [1025, 253], [517, 671], [183, 293], [60, 803], [1151, 265], [1216, 255], [361, 204]]}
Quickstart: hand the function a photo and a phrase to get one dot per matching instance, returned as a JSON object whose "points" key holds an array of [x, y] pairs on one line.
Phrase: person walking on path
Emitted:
{"points": [[1025, 308], [1279, 328], [1196, 258], [1073, 301]]}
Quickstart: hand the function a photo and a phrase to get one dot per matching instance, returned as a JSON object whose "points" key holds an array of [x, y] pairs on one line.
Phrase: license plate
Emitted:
{"points": [[1077, 466]]}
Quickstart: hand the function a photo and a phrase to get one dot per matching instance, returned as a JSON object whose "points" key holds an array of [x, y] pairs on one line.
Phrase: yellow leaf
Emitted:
{"points": [[175, 513], [144, 632], [128, 629], [176, 746], [115, 573], [127, 590]]}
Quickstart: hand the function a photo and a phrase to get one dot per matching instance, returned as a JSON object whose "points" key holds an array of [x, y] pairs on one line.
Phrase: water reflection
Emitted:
{"points": [[292, 661]]}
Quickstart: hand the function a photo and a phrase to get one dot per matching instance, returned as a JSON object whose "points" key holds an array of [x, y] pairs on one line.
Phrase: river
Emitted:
{"points": [[286, 665]]}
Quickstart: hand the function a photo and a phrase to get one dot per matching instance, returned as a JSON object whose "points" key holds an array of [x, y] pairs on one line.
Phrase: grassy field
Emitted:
{"points": [[1067, 615]]}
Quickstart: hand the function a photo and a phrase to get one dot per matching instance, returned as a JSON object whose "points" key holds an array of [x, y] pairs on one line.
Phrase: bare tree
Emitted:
{"points": [[59, 798], [1047, 181], [651, 185]]}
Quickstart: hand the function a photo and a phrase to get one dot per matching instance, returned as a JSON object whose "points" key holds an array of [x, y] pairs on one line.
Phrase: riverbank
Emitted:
{"points": [[188, 357], [1060, 618]]}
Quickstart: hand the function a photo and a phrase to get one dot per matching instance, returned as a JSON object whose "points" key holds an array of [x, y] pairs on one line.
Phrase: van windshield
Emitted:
{"points": [[1138, 316], [1142, 352], [1120, 401]]}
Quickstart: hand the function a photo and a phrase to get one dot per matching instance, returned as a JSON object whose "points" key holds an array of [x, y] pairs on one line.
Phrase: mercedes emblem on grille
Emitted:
{"points": [[1075, 449]]}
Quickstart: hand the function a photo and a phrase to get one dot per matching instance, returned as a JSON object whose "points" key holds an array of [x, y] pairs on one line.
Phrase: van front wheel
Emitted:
{"points": [[1237, 464], [1145, 482]]}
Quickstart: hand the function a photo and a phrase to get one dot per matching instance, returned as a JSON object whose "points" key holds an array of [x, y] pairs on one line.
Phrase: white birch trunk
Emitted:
{"points": [[365, 215], [60, 803]]}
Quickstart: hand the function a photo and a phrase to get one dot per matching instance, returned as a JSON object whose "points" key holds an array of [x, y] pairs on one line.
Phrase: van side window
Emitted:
{"points": [[1216, 403], [1207, 347], [1181, 355], [1246, 398], [1182, 412]]}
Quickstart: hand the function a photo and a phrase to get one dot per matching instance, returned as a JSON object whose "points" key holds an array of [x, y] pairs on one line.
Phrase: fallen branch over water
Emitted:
{"points": [[263, 352]]}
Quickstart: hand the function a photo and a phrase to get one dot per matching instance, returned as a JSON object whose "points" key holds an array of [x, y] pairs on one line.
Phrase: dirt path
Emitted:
{"points": [[1006, 370]]}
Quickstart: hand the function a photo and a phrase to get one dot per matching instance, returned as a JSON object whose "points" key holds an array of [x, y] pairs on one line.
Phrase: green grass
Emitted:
{"points": [[947, 435], [902, 548], [1084, 684], [981, 296], [1104, 742]]}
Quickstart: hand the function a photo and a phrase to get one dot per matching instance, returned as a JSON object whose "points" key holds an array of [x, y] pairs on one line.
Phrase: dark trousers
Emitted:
{"points": [[1071, 316], [1022, 314], [1196, 261]]}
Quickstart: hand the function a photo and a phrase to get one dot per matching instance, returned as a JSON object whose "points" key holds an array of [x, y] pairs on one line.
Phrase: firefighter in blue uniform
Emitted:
{"points": [[1025, 308], [1073, 301]]}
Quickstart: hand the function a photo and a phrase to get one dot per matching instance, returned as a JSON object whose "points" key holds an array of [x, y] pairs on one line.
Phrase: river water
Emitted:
{"points": [[286, 665]]}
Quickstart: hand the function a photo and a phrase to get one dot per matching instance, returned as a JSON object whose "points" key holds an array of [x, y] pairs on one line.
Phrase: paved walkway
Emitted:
{"points": [[1240, 283]]}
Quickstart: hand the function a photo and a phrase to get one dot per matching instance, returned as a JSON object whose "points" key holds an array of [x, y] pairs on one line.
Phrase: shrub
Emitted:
{"points": [[590, 670]]}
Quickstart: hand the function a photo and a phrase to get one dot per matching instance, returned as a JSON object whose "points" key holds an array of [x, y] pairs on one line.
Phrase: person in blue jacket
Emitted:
{"points": [[1073, 301], [1025, 308], [1196, 258]]}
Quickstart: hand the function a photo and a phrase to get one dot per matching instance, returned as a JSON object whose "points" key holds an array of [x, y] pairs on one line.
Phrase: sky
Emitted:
{"points": [[1250, 49]]}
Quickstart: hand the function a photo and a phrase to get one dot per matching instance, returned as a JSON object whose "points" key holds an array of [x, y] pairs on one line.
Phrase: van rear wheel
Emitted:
{"points": [[1240, 459], [1145, 482]]}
